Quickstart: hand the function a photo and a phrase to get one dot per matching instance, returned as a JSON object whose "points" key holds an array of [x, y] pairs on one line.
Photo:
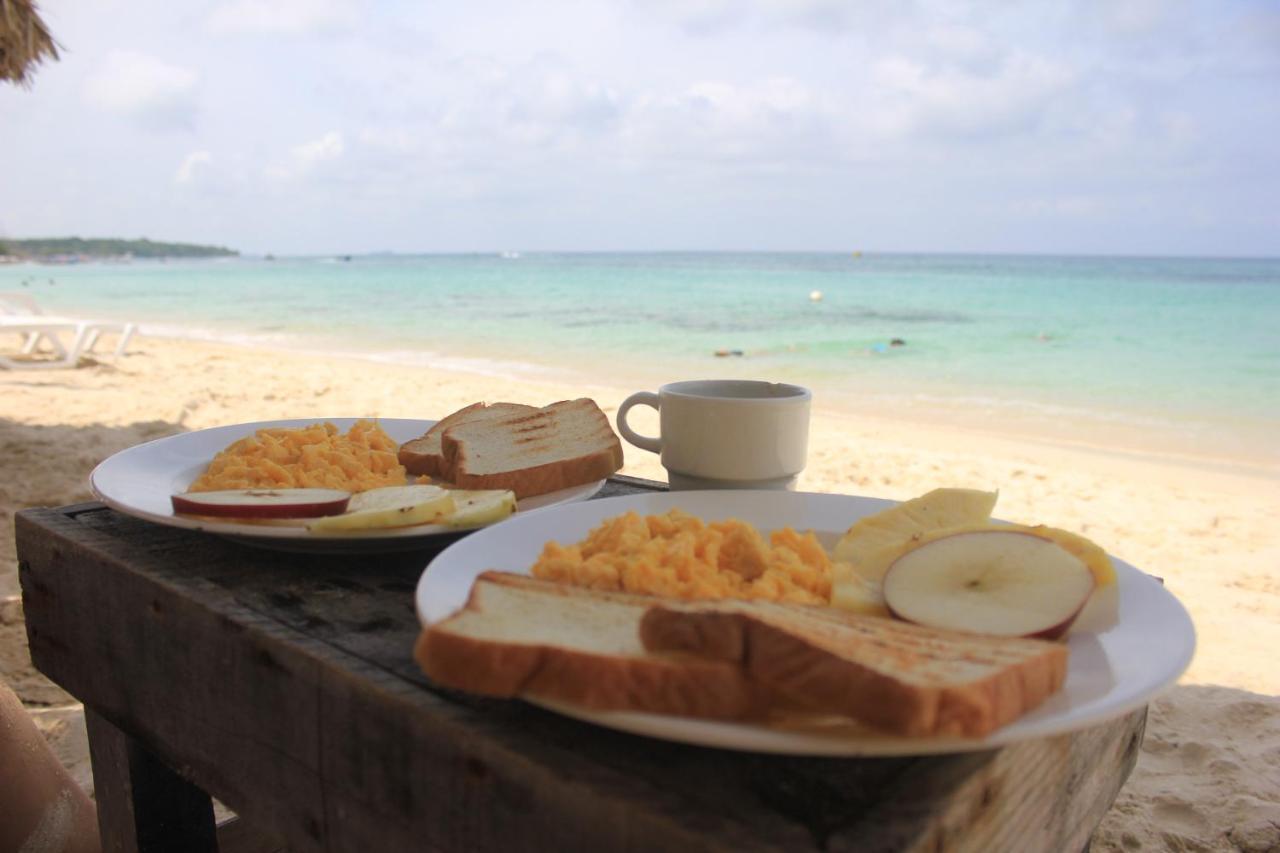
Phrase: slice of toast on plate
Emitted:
{"points": [[897, 677], [569, 443], [521, 636], [423, 455]]}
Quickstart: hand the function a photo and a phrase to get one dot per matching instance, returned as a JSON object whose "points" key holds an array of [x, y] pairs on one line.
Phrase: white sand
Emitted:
{"points": [[1207, 777]]}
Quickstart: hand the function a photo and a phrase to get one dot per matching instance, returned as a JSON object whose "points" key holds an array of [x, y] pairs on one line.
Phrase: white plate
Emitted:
{"points": [[1111, 673], [141, 480]]}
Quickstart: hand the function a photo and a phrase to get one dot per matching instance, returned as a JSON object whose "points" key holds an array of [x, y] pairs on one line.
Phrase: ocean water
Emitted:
{"points": [[1156, 354]]}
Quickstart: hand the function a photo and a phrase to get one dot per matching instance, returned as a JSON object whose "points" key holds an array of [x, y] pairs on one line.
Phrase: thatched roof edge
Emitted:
{"points": [[25, 41]]}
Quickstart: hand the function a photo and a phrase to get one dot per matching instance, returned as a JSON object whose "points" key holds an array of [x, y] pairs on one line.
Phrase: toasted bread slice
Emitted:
{"points": [[423, 455], [900, 678], [521, 636], [533, 452]]}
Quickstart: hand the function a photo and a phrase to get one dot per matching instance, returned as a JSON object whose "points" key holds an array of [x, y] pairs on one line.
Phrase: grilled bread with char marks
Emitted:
{"points": [[897, 677], [532, 452], [423, 455]]}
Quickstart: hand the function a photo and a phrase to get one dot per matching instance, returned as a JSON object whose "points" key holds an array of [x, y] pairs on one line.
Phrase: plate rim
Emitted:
{"points": [[750, 737], [282, 535]]}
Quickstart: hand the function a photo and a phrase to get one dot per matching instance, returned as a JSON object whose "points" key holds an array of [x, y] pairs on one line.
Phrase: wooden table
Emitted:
{"points": [[283, 684]]}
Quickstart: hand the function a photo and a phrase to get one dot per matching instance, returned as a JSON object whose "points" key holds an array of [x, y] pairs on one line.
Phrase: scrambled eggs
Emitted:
{"points": [[313, 457], [679, 556]]}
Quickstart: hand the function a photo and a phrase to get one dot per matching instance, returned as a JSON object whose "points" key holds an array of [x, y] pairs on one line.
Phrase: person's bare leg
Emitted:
{"points": [[42, 809]]}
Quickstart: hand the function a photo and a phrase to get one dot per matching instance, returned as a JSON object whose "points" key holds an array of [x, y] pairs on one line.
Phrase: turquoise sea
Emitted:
{"points": [[1170, 355]]}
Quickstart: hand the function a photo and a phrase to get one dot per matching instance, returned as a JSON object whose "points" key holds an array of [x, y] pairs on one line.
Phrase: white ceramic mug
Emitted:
{"points": [[726, 433]]}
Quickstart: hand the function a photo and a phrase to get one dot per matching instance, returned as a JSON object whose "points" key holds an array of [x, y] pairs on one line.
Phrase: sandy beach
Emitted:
{"points": [[1207, 778]]}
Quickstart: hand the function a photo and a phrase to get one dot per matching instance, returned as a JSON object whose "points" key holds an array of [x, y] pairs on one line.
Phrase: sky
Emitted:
{"points": [[1136, 127]]}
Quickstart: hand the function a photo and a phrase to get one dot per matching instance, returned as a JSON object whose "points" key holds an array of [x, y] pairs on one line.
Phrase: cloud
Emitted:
{"points": [[558, 101], [306, 158], [963, 46], [144, 89], [961, 101], [1065, 206], [717, 18], [716, 122], [827, 17], [1134, 17], [388, 139], [708, 17], [284, 17], [492, 115], [191, 164]]}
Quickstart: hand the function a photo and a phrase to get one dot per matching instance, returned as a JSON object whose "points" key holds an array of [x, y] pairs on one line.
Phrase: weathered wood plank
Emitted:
{"points": [[174, 673], [143, 806], [284, 685], [1047, 794], [238, 835]]}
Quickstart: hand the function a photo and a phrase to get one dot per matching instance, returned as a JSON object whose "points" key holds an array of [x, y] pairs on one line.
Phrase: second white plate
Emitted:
{"points": [[1111, 672], [141, 480]]}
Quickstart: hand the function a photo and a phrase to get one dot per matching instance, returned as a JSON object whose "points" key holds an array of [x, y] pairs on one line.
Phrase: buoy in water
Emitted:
{"points": [[815, 295]]}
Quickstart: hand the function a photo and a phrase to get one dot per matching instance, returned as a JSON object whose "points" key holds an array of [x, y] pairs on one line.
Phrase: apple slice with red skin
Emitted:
{"points": [[998, 582], [263, 503]]}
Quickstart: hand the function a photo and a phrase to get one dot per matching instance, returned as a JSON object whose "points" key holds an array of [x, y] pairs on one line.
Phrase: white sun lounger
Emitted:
{"points": [[20, 315], [48, 329]]}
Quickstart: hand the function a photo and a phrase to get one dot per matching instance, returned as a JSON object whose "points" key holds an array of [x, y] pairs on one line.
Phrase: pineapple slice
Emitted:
{"points": [[1103, 608], [871, 539], [852, 591], [1090, 554]]}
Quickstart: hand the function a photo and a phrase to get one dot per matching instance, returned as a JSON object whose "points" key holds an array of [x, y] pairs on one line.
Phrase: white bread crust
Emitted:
{"points": [[423, 456], [456, 653]]}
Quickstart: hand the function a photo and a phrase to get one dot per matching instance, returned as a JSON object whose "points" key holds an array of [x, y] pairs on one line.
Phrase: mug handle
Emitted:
{"points": [[640, 398]]}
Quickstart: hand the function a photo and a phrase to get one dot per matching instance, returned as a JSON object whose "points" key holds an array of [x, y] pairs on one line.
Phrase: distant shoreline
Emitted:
{"points": [[74, 250], [202, 252]]}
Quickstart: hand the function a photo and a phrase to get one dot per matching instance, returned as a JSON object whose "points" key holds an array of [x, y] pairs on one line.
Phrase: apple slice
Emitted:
{"points": [[477, 508], [263, 503], [999, 582], [390, 506]]}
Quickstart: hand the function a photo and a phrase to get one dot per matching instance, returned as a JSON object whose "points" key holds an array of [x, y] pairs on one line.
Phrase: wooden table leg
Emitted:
{"points": [[143, 806]]}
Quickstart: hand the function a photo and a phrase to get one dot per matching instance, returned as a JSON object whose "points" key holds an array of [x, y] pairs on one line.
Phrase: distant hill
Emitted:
{"points": [[64, 248]]}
